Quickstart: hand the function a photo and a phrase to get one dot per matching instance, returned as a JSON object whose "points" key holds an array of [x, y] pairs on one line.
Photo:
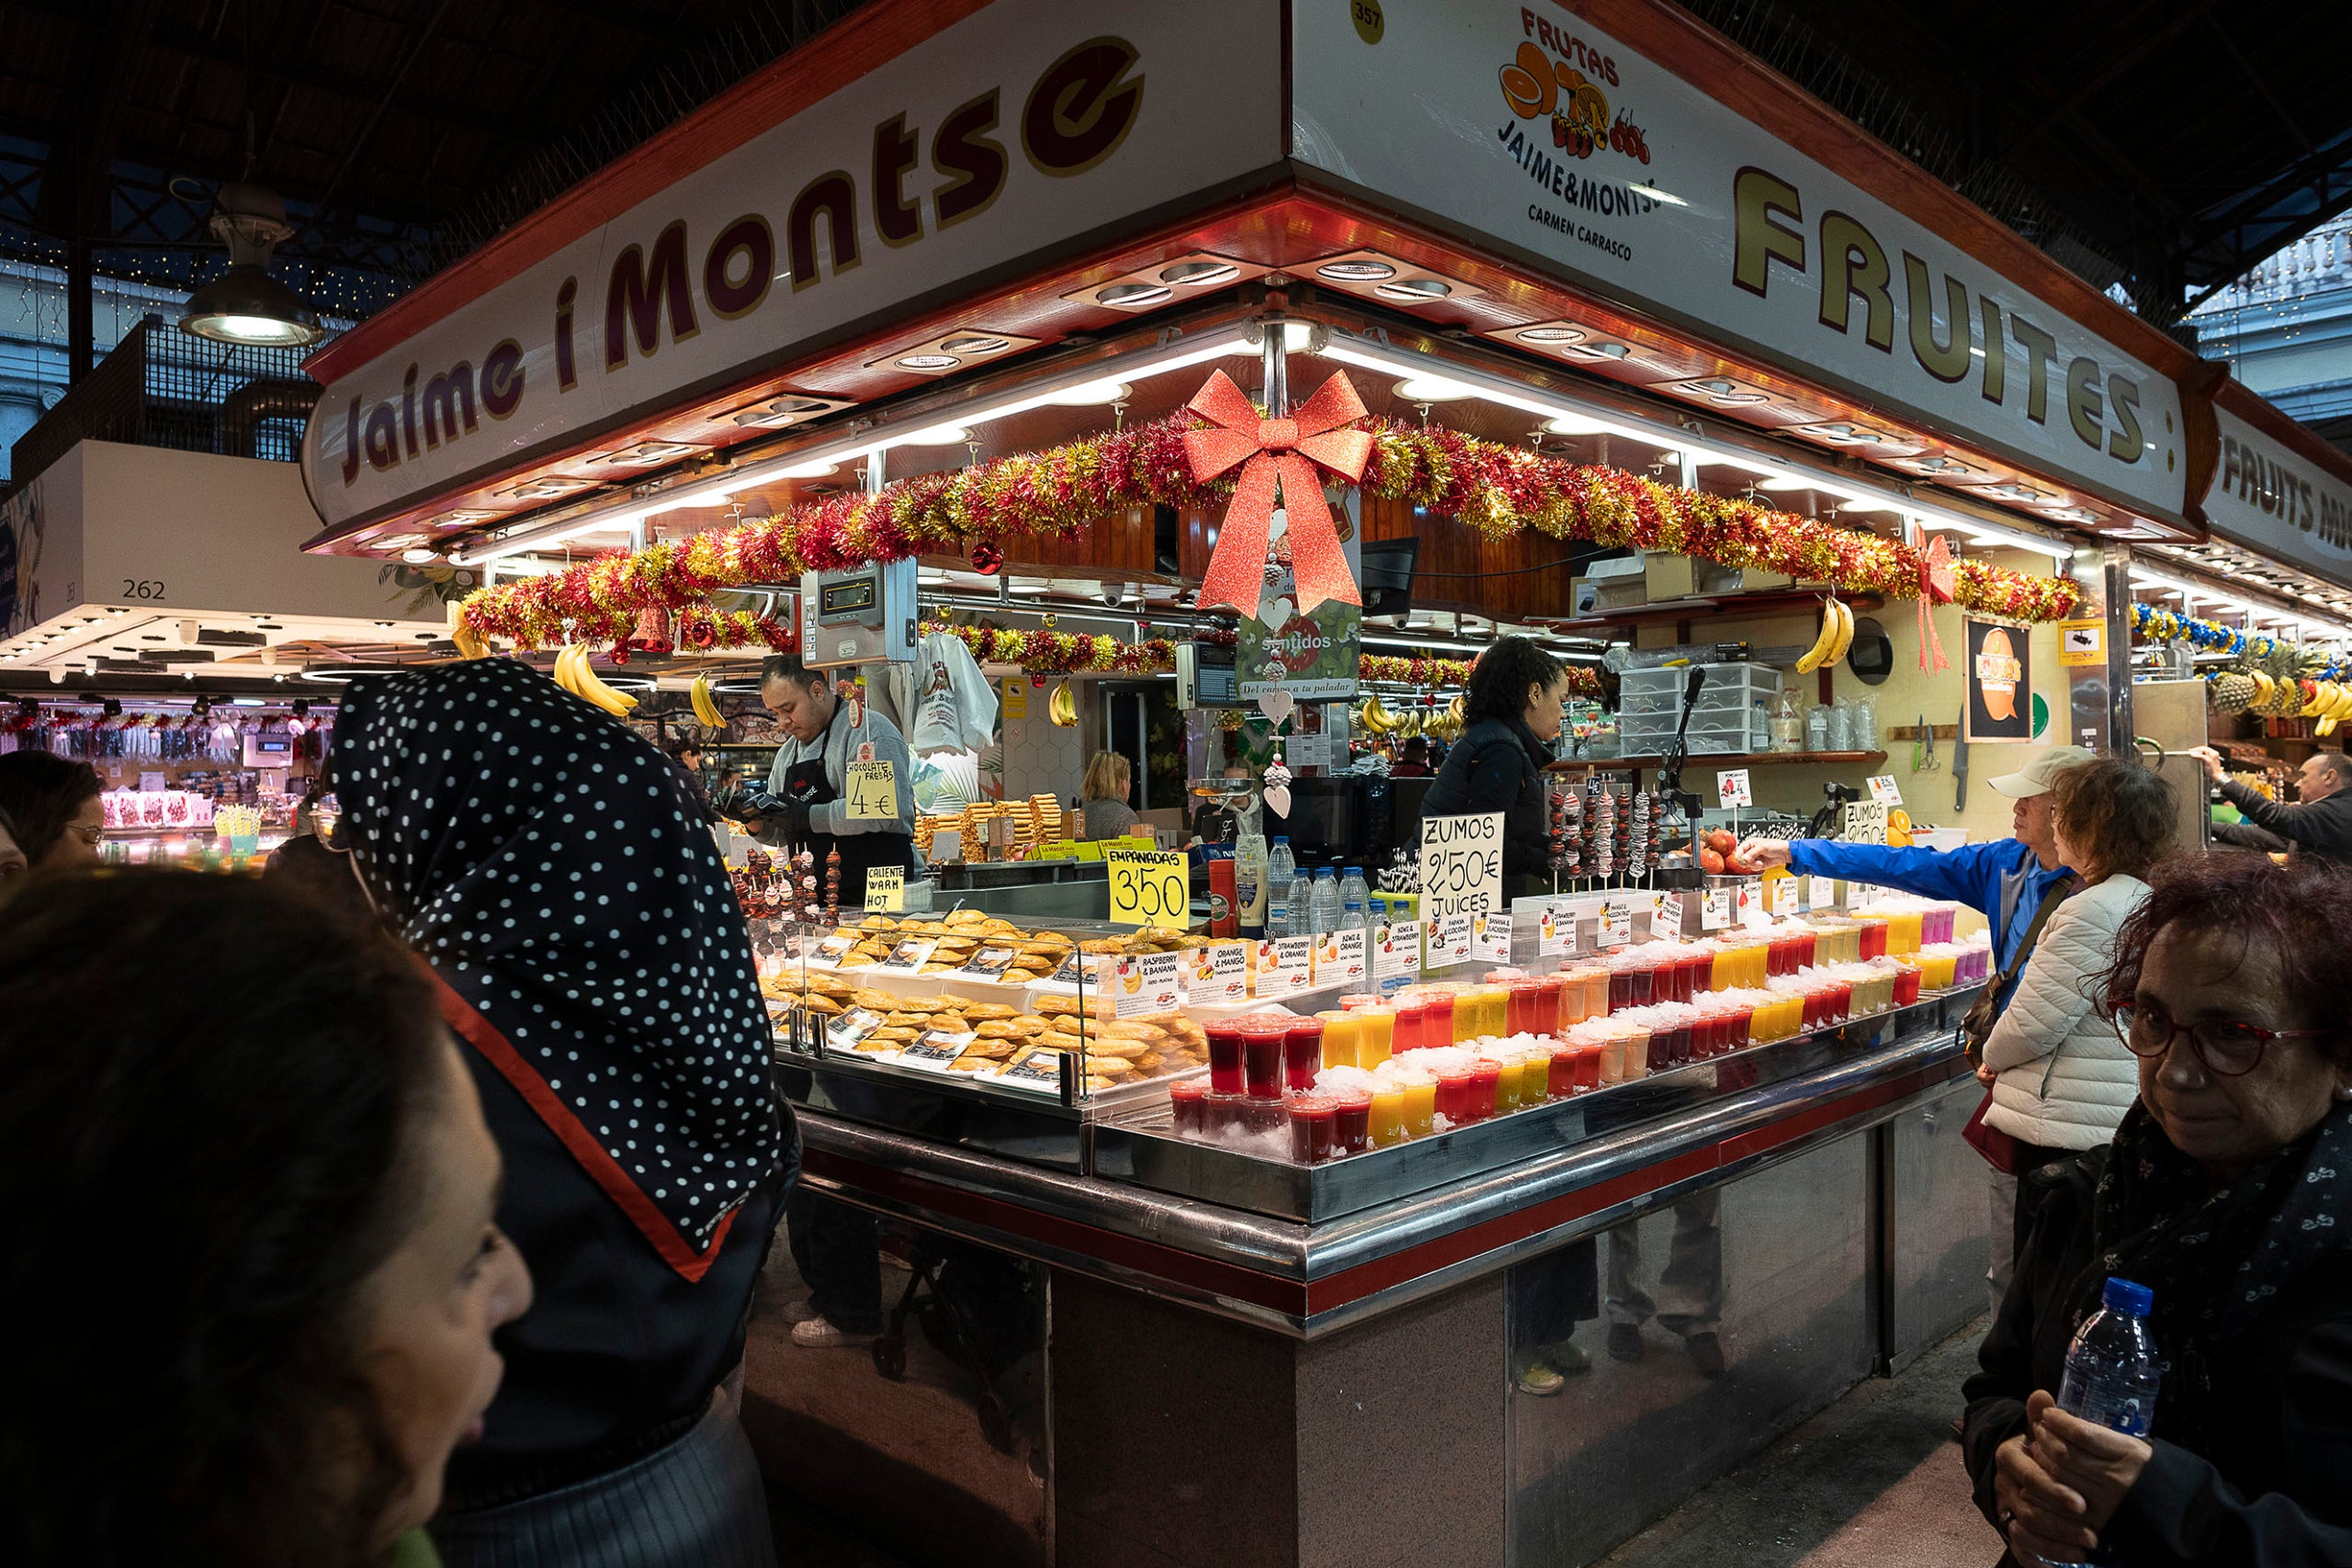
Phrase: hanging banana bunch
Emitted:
{"points": [[1837, 636], [1062, 707], [706, 705], [573, 673]]}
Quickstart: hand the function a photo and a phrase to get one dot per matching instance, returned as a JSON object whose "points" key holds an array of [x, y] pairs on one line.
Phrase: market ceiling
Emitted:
{"points": [[402, 133], [2162, 145]]}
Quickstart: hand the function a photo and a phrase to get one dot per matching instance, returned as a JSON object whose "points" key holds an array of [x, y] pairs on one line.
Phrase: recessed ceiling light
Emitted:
{"points": [[1551, 334], [1356, 271], [418, 557], [1415, 290], [1132, 294], [1433, 389], [929, 362], [1198, 274], [972, 343]]}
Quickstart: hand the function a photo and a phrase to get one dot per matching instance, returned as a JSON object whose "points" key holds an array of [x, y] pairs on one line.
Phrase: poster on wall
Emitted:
{"points": [[1313, 657], [2000, 683]]}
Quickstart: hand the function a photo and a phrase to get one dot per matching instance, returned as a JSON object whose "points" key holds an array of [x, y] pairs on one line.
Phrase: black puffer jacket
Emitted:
{"points": [[1498, 766]]}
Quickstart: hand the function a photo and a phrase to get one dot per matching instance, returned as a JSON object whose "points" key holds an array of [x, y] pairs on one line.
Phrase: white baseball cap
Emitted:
{"points": [[2041, 775]]}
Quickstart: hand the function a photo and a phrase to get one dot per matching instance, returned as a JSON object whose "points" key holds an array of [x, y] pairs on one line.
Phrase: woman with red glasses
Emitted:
{"points": [[2224, 1192]]}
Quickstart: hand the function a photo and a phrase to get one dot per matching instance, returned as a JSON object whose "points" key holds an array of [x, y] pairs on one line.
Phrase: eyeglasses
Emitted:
{"points": [[2224, 1047], [92, 836]]}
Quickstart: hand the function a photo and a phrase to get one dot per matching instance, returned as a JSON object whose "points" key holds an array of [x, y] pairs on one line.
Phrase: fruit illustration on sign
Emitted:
{"points": [[1996, 674]]}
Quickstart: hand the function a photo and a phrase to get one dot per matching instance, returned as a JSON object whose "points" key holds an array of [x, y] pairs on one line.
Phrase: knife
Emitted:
{"points": [[1959, 761]]}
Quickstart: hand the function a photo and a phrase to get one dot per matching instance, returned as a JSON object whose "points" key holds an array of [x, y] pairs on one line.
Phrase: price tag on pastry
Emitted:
{"points": [[1490, 938], [935, 1048], [911, 956], [850, 1030], [834, 948], [885, 887], [1285, 964], [1666, 914], [873, 791], [987, 963], [1883, 790], [1148, 983], [1731, 788], [1149, 887], [1716, 909], [1038, 1069], [1067, 971]]}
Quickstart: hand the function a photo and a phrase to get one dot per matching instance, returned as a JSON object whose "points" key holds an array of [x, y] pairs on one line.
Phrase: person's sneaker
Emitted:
{"points": [[1536, 1376], [800, 1309], [819, 1335], [1567, 1357], [1959, 1429], [1706, 1354], [1625, 1341]]}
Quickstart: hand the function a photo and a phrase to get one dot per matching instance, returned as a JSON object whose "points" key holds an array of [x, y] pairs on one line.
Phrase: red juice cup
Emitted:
{"points": [[1225, 1036], [1552, 1004], [1310, 1129], [1842, 1001], [1588, 1066], [1907, 988], [1740, 1034], [1351, 1123], [1560, 1081], [1874, 939], [1261, 1058], [1437, 1018], [1408, 1029], [1454, 1096], [1486, 1088], [1621, 990], [1225, 1113], [1302, 1052], [1188, 1105]]}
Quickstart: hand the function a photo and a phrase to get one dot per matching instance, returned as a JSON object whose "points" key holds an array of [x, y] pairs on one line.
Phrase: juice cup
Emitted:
{"points": [[1302, 1052], [1874, 939], [1499, 1021], [1595, 991], [1405, 1034], [1420, 1105], [1637, 1053], [1486, 1088], [1224, 1035], [1378, 1030], [1351, 1123], [1907, 986], [1261, 1058], [1613, 1056], [1188, 1105], [1453, 1090], [1310, 1129], [1437, 1018], [1560, 1072], [1342, 1035], [1388, 1117]]}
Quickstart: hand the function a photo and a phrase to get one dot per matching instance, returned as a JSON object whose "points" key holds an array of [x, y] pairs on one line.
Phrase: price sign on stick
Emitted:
{"points": [[1666, 915], [1462, 866], [1731, 788], [1149, 887], [1883, 791], [885, 887], [873, 791]]}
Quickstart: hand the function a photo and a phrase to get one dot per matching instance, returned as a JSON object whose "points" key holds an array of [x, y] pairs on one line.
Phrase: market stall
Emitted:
{"points": [[1220, 432]]}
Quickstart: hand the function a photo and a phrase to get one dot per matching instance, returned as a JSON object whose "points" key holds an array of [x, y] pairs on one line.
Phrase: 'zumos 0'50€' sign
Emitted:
{"points": [[1462, 866]]}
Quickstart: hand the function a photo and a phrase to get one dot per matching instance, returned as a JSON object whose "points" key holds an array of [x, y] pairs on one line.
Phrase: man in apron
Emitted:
{"points": [[833, 1246]]}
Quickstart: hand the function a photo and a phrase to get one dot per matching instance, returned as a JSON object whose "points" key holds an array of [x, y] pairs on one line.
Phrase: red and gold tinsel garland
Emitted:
{"points": [[1498, 490]]}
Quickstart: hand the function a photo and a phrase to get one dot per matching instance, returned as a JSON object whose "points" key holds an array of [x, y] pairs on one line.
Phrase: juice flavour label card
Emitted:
{"points": [[1148, 983], [1286, 965], [1397, 954], [1342, 957], [1490, 938], [1217, 973]]}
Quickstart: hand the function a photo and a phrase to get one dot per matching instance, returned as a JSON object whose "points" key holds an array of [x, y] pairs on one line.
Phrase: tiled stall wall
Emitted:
{"points": [[1039, 758]]}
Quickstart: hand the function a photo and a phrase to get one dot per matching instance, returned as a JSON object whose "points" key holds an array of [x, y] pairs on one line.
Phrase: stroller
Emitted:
{"points": [[978, 1308]]}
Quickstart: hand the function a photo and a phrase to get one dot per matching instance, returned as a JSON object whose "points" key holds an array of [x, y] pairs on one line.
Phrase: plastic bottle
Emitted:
{"points": [[1301, 904], [1355, 890], [1355, 918], [1249, 883], [2112, 1372], [1275, 884], [1325, 915]]}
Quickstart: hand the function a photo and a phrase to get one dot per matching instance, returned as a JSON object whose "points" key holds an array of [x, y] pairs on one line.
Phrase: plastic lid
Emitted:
{"points": [[1282, 837], [1355, 871], [2130, 1299]]}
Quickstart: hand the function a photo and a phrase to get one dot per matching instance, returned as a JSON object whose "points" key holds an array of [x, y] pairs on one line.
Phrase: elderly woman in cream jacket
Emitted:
{"points": [[2062, 1078]]}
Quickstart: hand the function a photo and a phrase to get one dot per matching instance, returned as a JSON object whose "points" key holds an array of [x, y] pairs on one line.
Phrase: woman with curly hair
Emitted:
{"points": [[252, 1269], [2224, 1192]]}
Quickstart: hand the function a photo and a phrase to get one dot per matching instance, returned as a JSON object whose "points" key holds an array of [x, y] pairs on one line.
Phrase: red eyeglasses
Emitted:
{"points": [[2225, 1048]]}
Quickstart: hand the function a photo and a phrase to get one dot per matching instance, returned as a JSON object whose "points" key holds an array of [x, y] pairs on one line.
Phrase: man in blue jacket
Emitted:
{"points": [[2004, 881]]}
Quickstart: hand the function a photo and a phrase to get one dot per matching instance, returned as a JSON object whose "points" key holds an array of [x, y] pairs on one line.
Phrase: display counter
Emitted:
{"points": [[1234, 1359]]}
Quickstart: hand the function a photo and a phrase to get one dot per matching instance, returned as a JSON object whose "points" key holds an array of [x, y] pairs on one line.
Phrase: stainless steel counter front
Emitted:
{"points": [[1306, 1279]]}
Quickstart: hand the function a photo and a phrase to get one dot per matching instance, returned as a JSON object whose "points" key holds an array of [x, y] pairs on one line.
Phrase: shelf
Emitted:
{"points": [[1767, 601], [1715, 760]]}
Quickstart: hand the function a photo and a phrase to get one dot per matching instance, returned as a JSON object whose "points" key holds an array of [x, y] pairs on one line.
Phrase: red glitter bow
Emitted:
{"points": [[1937, 579], [1315, 435]]}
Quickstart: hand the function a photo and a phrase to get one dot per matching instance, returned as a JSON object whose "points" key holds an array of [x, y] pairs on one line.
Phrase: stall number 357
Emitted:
{"points": [[142, 588]]}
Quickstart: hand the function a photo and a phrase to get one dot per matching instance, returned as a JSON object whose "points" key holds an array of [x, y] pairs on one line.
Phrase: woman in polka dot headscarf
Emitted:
{"points": [[543, 861]]}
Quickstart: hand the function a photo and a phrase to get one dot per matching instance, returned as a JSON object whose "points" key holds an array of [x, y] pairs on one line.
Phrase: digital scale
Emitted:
{"points": [[863, 615]]}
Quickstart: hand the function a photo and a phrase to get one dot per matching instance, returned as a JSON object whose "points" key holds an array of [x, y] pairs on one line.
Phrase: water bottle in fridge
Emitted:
{"points": [[2112, 1372], [1281, 872], [1355, 893], [1326, 901]]}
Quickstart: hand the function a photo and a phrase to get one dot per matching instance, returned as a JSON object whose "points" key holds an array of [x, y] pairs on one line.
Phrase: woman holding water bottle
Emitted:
{"points": [[2206, 1255]]}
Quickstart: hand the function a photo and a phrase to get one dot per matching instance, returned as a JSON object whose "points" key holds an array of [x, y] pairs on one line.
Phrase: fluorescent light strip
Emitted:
{"points": [[1218, 345]]}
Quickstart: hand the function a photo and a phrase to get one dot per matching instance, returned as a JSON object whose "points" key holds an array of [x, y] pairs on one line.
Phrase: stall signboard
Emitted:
{"points": [[2271, 497], [874, 791], [1462, 866], [1027, 127], [1527, 125], [1149, 887], [1999, 672], [885, 889], [1866, 822], [1220, 974], [1148, 983]]}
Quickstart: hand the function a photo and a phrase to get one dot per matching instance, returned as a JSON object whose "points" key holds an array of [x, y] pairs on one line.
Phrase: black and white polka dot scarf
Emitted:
{"points": [[543, 858]]}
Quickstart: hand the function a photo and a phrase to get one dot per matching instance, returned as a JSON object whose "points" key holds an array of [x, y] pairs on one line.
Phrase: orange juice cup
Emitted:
{"points": [[1341, 1033], [1420, 1109], [1378, 1031], [1388, 1117]]}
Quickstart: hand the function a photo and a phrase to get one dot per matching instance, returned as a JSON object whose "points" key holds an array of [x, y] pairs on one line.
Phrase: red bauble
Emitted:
{"points": [[987, 557]]}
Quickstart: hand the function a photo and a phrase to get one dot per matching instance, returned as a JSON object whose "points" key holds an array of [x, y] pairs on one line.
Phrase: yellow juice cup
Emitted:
{"points": [[1498, 1010], [1469, 1017], [1341, 1033], [1379, 1034], [1420, 1109], [1388, 1117]]}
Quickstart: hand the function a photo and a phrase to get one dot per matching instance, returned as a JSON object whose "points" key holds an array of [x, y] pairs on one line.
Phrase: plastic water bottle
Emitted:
{"points": [[1355, 890], [1355, 918], [1302, 903], [1281, 872], [2112, 1372], [1249, 883], [1326, 901]]}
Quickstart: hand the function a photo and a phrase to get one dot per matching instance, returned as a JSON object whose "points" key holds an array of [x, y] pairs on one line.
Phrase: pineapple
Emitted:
{"points": [[2233, 692]]}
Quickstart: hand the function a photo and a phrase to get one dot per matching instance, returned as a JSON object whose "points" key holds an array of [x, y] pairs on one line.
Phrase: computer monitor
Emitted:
{"points": [[1388, 575]]}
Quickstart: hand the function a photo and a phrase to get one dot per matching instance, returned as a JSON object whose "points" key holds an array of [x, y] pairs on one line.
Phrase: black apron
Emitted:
{"points": [[806, 782]]}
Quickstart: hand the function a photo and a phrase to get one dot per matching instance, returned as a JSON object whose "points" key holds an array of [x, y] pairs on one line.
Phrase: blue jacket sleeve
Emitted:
{"points": [[1970, 875]]}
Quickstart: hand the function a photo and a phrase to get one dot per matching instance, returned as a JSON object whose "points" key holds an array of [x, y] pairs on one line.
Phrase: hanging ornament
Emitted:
{"points": [[1277, 703], [1272, 452], [652, 633], [1277, 786], [987, 557], [1937, 579]]}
